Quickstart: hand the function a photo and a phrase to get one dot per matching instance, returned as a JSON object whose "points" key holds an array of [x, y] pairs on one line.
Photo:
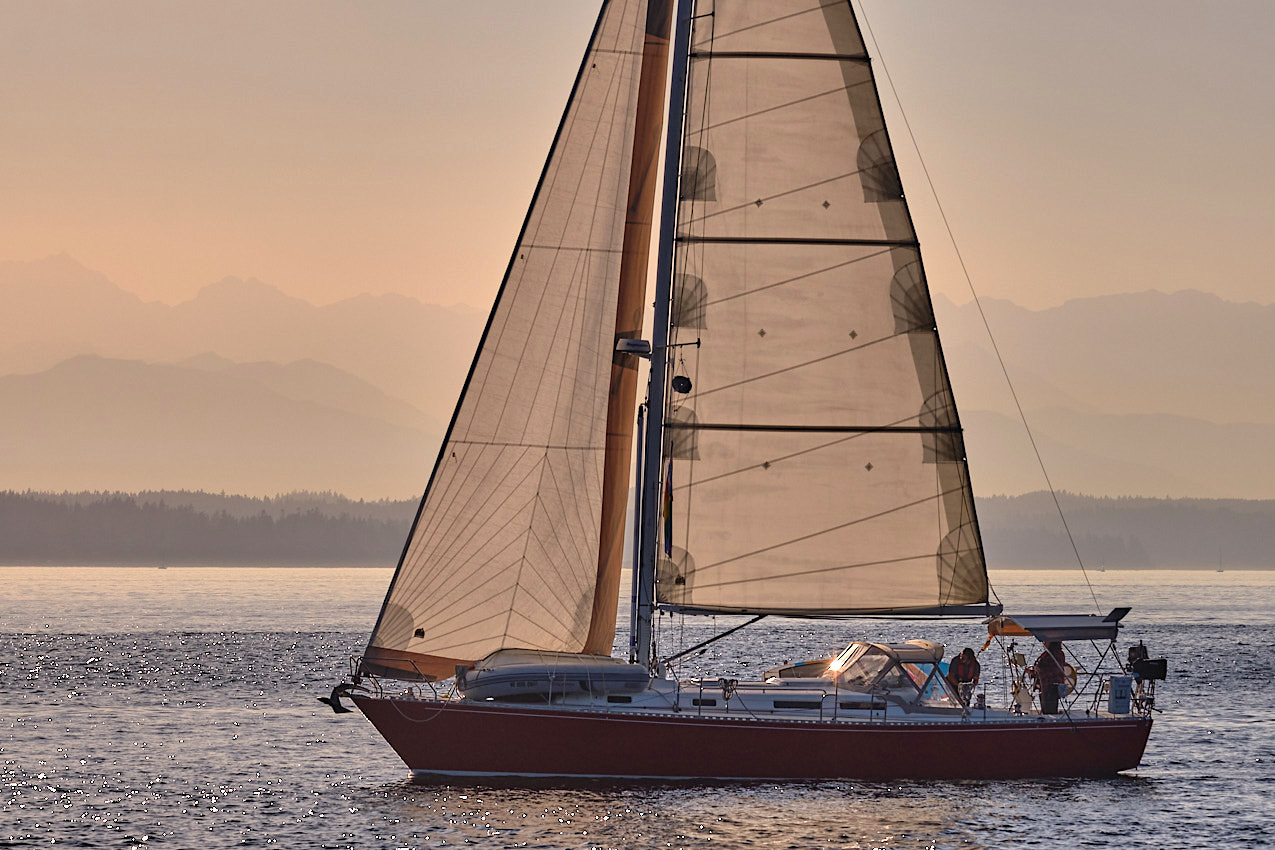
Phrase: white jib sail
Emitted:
{"points": [[504, 552], [818, 465]]}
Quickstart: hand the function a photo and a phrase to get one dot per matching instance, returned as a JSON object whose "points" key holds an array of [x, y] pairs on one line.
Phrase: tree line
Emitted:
{"points": [[118, 528], [1026, 531], [180, 527]]}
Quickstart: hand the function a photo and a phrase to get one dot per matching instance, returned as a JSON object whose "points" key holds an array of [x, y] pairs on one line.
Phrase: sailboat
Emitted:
{"points": [[798, 452]]}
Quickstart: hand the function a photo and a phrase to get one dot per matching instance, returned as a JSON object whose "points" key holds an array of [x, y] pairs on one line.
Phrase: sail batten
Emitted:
{"points": [[815, 429], [798, 240], [772, 54], [818, 462]]}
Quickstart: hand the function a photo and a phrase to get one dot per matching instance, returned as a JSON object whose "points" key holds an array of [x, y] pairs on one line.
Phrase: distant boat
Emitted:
{"points": [[800, 452]]}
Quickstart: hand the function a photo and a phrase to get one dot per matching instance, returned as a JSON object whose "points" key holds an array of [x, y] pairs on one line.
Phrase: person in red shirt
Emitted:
{"points": [[1049, 675]]}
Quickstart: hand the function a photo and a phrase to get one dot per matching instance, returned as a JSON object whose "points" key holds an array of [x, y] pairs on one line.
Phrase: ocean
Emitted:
{"points": [[178, 708]]}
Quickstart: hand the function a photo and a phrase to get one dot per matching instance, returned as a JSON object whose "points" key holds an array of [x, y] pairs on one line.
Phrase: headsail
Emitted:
{"points": [[818, 463], [505, 548]]}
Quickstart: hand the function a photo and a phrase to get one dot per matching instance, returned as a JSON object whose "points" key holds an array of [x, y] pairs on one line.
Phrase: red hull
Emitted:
{"points": [[504, 740]]}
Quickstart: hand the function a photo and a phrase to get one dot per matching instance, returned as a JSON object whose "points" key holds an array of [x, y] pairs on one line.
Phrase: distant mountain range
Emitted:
{"points": [[1187, 354], [1147, 394], [54, 309], [91, 422], [246, 389], [1120, 455]]}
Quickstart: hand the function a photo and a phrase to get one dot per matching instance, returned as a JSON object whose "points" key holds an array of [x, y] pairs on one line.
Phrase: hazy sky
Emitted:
{"points": [[333, 148]]}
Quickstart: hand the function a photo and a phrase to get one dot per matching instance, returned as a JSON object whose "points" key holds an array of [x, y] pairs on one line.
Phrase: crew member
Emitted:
{"points": [[962, 674], [1050, 675]]}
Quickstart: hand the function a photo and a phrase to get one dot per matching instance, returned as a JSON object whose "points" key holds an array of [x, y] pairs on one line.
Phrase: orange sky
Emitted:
{"points": [[336, 148]]}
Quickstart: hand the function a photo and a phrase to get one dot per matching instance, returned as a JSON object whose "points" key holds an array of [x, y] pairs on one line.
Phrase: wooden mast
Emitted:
{"points": [[621, 405]]}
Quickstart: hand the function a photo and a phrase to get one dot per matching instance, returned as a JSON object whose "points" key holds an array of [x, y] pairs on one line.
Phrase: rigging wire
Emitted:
{"points": [[876, 51]]}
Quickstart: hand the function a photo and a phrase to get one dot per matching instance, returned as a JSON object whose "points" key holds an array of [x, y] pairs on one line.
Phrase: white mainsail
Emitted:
{"points": [[818, 465], [505, 548]]}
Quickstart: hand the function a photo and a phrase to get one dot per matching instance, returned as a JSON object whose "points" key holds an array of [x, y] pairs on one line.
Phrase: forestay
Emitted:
{"points": [[818, 465], [504, 550]]}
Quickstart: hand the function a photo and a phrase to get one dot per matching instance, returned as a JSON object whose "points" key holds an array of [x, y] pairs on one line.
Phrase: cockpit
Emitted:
{"points": [[906, 674]]}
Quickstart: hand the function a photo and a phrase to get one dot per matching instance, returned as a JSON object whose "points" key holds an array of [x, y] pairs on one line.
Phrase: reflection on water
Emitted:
{"points": [[769, 815], [121, 599], [178, 708], [733, 815]]}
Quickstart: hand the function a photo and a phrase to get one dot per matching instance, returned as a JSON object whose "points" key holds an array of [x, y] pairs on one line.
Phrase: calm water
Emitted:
{"points": [[177, 708]]}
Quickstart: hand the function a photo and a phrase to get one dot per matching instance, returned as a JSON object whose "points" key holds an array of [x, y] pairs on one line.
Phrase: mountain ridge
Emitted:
{"points": [[98, 423], [1188, 353], [1083, 371], [414, 351]]}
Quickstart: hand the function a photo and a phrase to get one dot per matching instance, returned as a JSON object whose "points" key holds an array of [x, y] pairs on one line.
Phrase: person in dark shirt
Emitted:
{"points": [[1049, 675], [962, 674]]}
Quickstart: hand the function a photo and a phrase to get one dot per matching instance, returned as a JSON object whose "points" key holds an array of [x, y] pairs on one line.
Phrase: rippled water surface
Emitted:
{"points": [[177, 708]]}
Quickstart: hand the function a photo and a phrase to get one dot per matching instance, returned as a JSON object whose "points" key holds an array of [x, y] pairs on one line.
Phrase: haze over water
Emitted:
{"points": [[177, 708]]}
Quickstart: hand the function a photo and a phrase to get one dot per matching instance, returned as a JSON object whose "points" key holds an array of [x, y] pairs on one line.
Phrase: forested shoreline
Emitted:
{"points": [[189, 528], [1128, 532], [198, 528]]}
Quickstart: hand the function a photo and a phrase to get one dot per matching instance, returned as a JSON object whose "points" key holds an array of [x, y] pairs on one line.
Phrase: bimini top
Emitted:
{"points": [[1061, 627]]}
